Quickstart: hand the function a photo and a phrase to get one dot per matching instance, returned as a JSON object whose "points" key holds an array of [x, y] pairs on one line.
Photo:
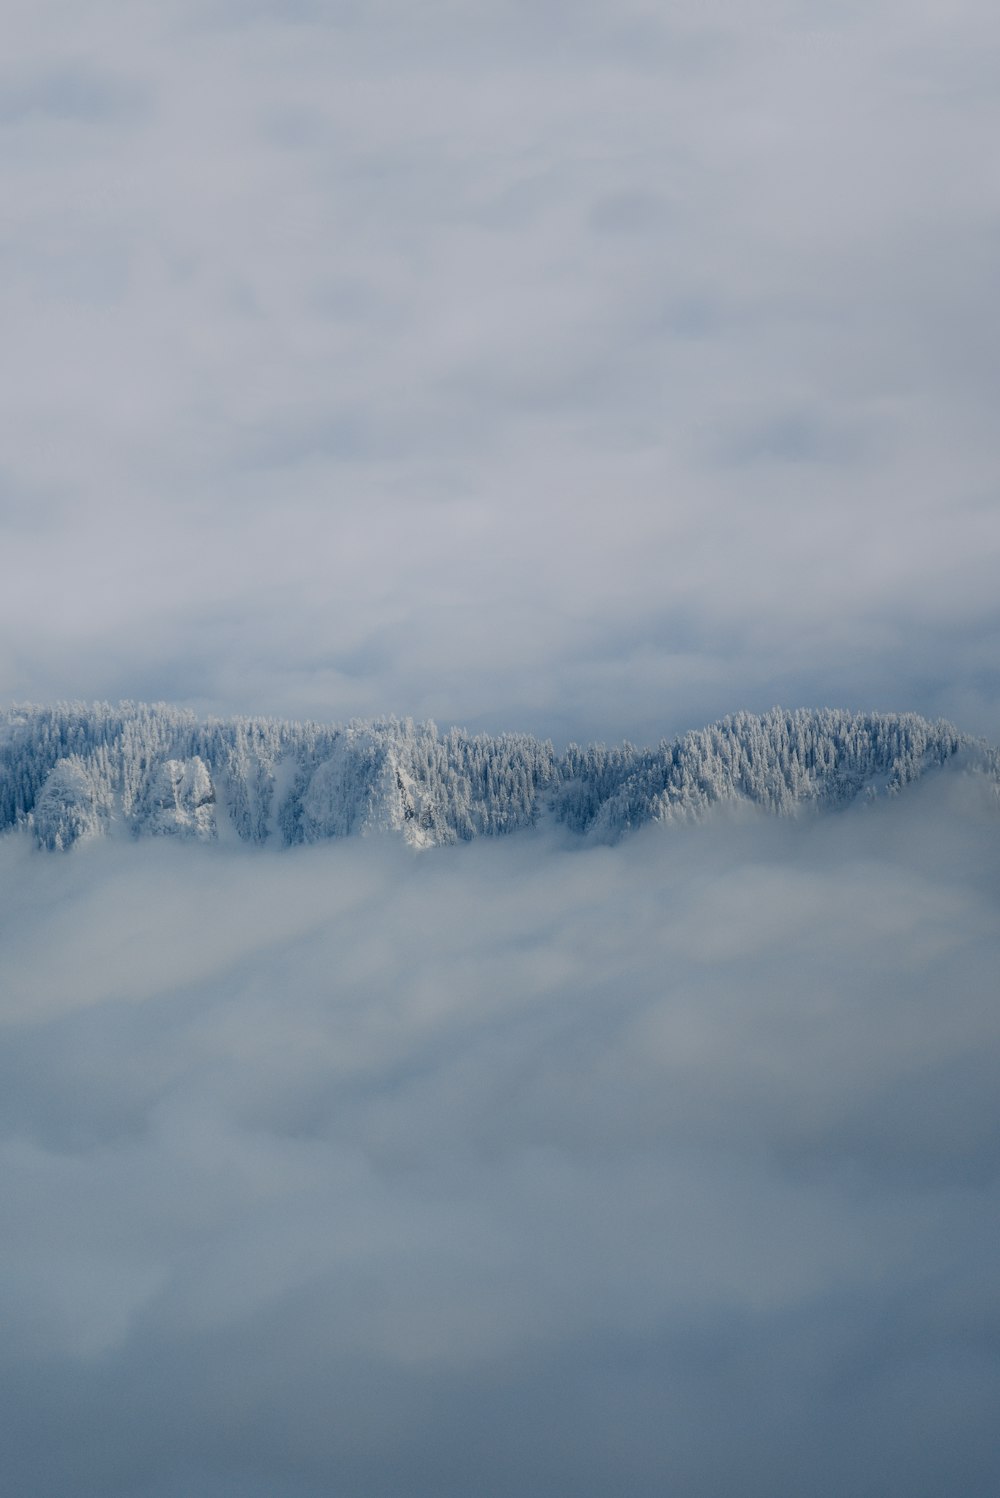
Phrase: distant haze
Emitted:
{"points": [[590, 369]]}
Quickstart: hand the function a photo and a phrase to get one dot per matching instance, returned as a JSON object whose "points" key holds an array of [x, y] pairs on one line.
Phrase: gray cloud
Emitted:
{"points": [[463, 346], [506, 1166], [70, 95]]}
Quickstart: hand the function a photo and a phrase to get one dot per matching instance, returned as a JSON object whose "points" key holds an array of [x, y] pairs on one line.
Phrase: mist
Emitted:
{"points": [[513, 1167]]}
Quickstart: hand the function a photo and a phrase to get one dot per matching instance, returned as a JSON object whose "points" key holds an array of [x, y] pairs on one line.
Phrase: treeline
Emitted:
{"points": [[76, 770]]}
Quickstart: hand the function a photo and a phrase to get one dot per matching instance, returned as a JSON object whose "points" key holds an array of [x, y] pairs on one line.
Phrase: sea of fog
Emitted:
{"points": [[516, 1169]]}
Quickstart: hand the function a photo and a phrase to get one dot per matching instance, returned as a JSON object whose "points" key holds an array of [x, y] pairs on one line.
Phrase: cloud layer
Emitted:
{"points": [[506, 1168], [589, 369]]}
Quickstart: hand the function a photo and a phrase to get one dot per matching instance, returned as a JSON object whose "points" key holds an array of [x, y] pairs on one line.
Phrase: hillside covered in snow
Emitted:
{"points": [[76, 771]]}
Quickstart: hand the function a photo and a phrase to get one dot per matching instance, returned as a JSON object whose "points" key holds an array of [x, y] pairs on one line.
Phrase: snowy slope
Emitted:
{"points": [[76, 771]]}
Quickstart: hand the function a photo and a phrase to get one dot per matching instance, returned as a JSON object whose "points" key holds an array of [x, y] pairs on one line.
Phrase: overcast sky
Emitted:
{"points": [[589, 368]]}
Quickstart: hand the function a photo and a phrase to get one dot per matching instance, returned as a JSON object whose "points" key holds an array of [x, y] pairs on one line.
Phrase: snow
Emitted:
{"points": [[74, 771]]}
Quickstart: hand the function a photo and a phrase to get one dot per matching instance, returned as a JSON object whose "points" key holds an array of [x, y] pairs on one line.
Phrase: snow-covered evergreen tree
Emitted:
{"points": [[75, 771]]}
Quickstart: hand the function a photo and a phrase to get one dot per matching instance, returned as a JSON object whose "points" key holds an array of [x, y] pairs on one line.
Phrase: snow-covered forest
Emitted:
{"points": [[75, 770]]}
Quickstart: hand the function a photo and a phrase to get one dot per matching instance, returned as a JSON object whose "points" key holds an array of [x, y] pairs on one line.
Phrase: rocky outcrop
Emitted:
{"points": [[72, 805], [178, 800]]}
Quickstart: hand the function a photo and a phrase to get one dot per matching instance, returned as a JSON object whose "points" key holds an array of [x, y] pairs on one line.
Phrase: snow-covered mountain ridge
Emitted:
{"points": [[75, 771]]}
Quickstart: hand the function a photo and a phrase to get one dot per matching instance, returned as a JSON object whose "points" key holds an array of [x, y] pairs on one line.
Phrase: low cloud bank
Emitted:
{"points": [[506, 1168]]}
